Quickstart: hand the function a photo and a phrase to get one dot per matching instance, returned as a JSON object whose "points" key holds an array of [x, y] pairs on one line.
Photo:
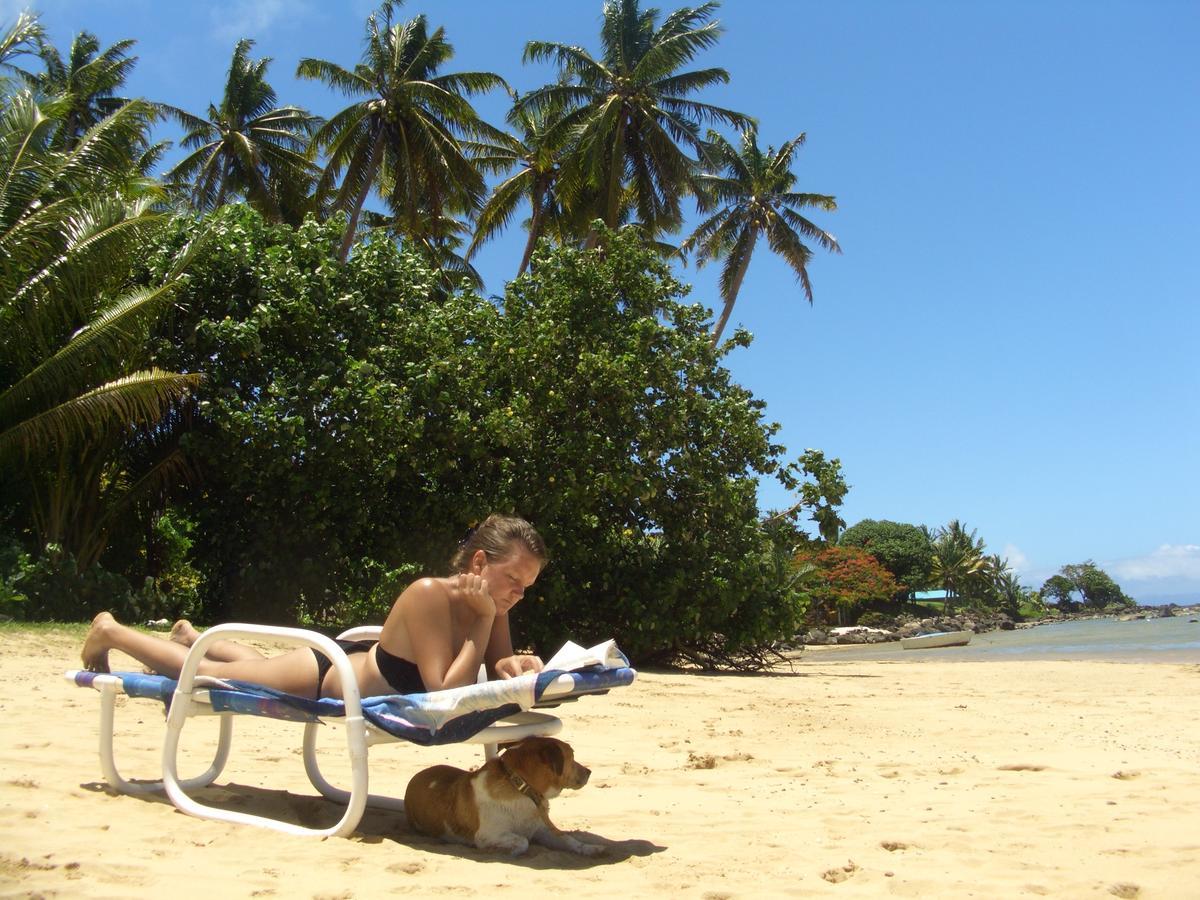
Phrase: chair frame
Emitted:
{"points": [[191, 699]]}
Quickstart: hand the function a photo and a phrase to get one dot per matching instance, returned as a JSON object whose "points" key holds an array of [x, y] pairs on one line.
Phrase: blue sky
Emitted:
{"points": [[1010, 335]]}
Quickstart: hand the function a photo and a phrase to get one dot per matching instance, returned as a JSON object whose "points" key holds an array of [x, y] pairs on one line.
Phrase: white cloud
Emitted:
{"points": [[235, 19], [1170, 561], [1017, 561]]}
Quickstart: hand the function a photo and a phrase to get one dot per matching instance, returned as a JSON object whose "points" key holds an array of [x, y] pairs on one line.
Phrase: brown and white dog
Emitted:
{"points": [[503, 804]]}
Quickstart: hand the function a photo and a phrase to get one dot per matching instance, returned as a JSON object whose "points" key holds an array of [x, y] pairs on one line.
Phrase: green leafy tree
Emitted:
{"points": [[628, 114], [402, 134], [757, 198], [1095, 586], [247, 146], [351, 427], [1059, 589], [904, 550], [74, 385], [824, 493]]}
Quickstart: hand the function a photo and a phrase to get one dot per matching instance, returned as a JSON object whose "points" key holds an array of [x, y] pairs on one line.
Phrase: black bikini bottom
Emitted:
{"points": [[402, 675]]}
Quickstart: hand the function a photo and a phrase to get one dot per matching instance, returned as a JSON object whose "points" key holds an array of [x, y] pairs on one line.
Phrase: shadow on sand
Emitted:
{"points": [[380, 825]]}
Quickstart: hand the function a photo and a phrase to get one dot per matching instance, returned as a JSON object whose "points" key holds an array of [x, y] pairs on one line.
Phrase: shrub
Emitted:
{"points": [[354, 421]]}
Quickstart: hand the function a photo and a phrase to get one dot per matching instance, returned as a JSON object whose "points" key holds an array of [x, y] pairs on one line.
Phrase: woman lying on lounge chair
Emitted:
{"points": [[436, 636]]}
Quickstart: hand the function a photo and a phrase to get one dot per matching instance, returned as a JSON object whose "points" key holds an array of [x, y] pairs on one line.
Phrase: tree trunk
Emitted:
{"points": [[737, 286], [612, 203], [352, 225], [535, 225]]}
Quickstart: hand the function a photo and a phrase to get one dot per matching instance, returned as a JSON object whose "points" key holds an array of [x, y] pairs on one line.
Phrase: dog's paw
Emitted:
{"points": [[512, 844], [588, 849]]}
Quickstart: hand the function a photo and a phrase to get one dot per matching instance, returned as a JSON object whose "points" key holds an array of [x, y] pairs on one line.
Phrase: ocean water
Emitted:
{"points": [[1170, 640]]}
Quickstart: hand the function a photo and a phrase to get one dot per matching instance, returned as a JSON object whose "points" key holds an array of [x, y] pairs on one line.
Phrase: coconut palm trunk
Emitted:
{"points": [[535, 228], [727, 310], [368, 179]]}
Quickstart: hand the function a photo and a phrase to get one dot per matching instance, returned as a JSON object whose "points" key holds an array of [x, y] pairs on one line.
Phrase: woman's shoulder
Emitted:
{"points": [[425, 590]]}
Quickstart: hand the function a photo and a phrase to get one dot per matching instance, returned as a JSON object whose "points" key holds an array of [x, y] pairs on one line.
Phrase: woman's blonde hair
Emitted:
{"points": [[496, 536]]}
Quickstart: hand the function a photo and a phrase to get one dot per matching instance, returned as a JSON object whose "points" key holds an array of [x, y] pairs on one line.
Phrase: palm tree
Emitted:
{"points": [[403, 136], [247, 147], [627, 115], [87, 81], [22, 38], [755, 191], [73, 223], [537, 161], [958, 560]]}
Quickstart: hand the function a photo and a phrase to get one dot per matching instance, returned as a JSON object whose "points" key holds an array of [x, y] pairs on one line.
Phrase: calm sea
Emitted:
{"points": [[1172, 640]]}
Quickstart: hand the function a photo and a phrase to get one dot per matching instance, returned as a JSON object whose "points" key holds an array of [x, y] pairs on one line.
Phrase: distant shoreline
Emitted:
{"points": [[1150, 639]]}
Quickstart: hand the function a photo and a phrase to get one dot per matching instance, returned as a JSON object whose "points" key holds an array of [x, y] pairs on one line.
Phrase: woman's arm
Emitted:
{"points": [[501, 661]]}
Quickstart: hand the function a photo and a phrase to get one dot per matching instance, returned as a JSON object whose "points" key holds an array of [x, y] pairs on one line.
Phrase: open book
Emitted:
{"points": [[571, 657]]}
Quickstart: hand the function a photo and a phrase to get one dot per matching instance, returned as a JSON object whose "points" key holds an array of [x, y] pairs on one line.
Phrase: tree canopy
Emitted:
{"points": [[1095, 587], [904, 550]]}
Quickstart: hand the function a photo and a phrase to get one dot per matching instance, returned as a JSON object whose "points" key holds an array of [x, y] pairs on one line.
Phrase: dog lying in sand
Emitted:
{"points": [[503, 805]]}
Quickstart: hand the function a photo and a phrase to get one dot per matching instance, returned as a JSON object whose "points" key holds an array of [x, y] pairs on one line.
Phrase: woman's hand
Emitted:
{"points": [[519, 664], [474, 589]]}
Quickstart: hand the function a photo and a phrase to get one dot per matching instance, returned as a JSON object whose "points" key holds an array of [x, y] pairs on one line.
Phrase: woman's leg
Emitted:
{"points": [[183, 632], [294, 672]]}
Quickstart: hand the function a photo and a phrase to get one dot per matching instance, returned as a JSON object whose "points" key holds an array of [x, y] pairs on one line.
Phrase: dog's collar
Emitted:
{"points": [[522, 785]]}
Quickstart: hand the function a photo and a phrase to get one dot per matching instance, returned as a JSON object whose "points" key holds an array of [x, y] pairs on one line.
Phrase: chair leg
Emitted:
{"points": [[108, 699], [177, 790], [313, 769]]}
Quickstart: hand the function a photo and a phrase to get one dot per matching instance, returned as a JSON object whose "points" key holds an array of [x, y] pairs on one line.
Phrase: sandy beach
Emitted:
{"points": [[839, 779]]}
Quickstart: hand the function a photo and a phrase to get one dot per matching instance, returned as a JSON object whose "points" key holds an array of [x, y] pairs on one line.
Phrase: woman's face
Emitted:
{"points": [[509, 577]]}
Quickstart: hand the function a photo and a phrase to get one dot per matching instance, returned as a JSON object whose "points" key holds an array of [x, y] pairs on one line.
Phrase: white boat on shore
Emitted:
{"points": [[937, 639]]}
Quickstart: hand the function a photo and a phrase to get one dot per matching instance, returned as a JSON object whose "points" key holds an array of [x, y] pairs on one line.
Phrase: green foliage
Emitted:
{"points": [[958, 563], [402, 133], [1059, 589], [624, 437], [83, 421], [755, 193], [904, 550], [1095, 587], [247, 146], [54, 586], [629, 114], [14, 560], [351, 427], [824, 493]]}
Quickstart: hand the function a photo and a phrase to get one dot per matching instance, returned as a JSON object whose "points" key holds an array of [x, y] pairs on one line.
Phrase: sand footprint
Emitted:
{"points": [[1022, 767], [1125, 890], [701, 761], [835, 876], [893, 846]]}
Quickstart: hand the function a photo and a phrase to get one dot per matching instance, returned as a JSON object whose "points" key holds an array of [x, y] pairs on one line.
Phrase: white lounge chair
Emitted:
{"points": [[490, 713]]}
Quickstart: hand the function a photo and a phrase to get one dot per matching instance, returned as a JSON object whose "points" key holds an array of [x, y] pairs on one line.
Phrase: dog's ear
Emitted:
{"points": [[551, 754]]}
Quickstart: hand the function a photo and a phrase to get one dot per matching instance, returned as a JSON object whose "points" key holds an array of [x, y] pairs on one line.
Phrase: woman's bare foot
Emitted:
{"points": [[182, 632], [95, 645]]}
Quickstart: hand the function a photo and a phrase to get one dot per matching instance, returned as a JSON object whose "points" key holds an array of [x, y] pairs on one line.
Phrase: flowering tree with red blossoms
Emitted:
{"points": [[841, 578]]}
